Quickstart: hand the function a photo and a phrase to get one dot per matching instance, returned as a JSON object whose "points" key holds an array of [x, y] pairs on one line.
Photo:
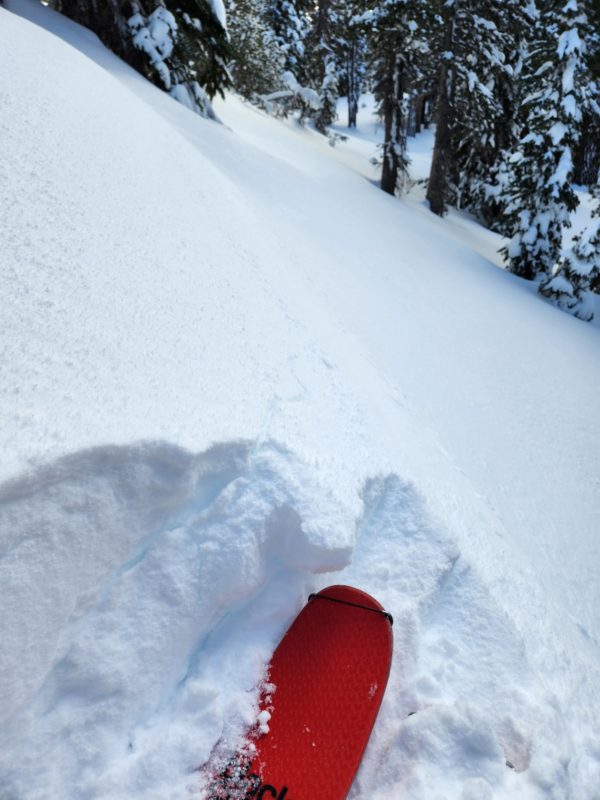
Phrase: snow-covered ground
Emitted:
{"points": [[234, 371]]}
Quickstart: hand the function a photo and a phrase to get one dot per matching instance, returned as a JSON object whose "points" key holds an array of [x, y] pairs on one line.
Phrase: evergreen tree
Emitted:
{"points": [[577, 272], [474, 114], [540, 196], [441, 164], [180, 45], [288, 19], [257, 60], [587, 154], [351, 46], [187, 49], [397, 33], [109, 21], [321, 61], [336, 49], [483, 161], [328, 95]]}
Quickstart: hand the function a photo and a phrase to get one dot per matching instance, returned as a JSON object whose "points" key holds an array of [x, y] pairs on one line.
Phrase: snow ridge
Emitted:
{"points": [[145, 551], [464, 710]]}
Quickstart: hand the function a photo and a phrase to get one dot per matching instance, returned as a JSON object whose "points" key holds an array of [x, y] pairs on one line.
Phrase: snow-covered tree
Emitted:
{"points": [[474, 113], [351, 46], [180, 45], [490, 133], [577, 272], [587, 154], [328, 95], [288, 19], [540, 195], [322, 61], [397, 35], [109, 20], [186, 45], [257, 60]]}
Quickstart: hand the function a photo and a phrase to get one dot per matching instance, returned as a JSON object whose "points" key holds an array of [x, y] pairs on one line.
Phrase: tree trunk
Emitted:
{"points": [[393, 123], [437, 189], [420, 120], [411, 122], [587, 154], [353, 85]]}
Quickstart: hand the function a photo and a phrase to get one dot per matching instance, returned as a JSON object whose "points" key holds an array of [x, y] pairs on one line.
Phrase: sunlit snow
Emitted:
{"points": [[233, 372]]}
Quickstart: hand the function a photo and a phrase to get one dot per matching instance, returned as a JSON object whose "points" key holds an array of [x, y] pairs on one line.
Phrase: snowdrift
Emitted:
{"points": [[233, 372], [155, 584], [151, 582]]}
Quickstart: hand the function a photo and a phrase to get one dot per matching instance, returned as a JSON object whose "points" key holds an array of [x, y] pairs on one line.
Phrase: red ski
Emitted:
{"points": [[325, 685]]}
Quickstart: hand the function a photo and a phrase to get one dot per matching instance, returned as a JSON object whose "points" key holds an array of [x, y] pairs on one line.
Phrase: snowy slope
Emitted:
{"points": [[231, 368]]}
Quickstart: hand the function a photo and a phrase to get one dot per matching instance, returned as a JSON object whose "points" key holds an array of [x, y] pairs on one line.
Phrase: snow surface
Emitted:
{"points": [[234, 371]]}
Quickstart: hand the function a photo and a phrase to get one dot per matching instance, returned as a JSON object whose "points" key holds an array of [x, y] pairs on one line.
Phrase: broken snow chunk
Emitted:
{"points": [[263, 721]]}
